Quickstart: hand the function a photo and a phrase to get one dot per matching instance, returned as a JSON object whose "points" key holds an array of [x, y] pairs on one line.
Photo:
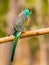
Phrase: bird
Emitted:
{"points": [[18, 28]]}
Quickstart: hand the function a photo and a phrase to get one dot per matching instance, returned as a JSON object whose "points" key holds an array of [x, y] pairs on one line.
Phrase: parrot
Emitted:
{"points": [[19, 27]]}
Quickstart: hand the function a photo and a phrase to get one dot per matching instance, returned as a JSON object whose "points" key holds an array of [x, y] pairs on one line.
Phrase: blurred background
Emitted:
{"points": [[33, 50]]}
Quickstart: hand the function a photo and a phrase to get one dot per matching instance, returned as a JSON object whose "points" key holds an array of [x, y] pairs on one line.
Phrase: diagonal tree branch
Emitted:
{"points": [[25, 34]]}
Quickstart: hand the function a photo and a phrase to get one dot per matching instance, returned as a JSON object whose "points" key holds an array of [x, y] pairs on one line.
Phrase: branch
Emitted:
{"points": [[26, 34]]}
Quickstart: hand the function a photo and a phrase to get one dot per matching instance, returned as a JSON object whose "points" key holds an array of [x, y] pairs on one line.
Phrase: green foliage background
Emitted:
{"points": [[4, 7]]}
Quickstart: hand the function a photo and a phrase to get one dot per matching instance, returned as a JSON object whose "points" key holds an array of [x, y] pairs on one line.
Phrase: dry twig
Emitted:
{"points": [[25, 34]]}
